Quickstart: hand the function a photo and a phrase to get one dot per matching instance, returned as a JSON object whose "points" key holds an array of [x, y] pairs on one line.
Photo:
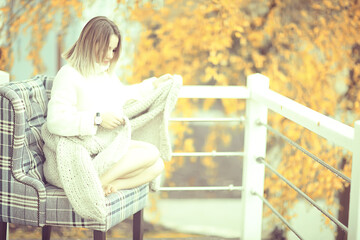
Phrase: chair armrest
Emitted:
{"points": [[12, 145], [25, 194]]}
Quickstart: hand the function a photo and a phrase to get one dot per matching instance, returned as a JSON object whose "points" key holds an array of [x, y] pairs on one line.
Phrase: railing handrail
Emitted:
{"points": [[327, 127], [334, 131]]}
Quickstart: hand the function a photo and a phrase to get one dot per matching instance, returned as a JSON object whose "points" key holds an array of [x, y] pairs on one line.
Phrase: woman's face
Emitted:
{"points": [[113, 43]]}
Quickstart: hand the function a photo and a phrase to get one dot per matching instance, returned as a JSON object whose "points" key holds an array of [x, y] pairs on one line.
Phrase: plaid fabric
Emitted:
{"points": [[120, 206], [33, 96], [24, 197], [22, 192]]}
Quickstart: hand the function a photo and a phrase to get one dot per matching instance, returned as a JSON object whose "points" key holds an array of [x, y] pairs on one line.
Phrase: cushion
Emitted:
{"points": [[120, 205]]}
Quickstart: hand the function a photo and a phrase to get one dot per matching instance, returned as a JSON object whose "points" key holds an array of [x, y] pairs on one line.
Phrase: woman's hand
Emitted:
{"points": [[111, 120], [162, 79]]}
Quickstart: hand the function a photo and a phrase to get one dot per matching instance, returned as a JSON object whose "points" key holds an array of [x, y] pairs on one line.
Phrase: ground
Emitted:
{"points": [[121, 231]]}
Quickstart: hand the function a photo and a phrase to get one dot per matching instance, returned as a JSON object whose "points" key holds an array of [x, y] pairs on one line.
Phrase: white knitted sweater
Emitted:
{"points": [[75, 163]]}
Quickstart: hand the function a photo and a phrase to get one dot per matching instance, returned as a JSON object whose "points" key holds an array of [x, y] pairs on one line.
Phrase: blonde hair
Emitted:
{"points": [[92, 45]]}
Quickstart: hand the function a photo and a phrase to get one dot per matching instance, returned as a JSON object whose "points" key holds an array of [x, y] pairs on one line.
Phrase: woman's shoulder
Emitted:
{"points": [[68, 72], [68, 76], [68, 69]]}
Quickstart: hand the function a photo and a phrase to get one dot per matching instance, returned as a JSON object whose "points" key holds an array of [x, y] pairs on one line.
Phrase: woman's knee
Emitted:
{"points": [[152, 153], [148, 152], [158, 167]]}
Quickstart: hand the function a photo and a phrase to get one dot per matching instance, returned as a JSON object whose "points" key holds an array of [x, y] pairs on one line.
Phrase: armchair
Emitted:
{"points": [[25, 197]]}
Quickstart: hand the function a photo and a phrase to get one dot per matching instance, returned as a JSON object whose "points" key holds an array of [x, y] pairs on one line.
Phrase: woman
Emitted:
{"points": [[87, 95]]}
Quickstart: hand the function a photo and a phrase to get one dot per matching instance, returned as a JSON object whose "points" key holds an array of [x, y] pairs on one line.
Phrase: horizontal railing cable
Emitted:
{"points": [[291, 142], [241, 119], [278, 215], [333, 219], [210, 188], [207, 154]]}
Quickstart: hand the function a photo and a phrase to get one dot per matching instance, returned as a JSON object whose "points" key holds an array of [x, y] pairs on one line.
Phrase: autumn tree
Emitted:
{"points": [[308, 49], [34, 19]]}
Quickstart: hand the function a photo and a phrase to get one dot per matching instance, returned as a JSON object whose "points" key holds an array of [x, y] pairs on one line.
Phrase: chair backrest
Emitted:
{"points": [[33, 99]]}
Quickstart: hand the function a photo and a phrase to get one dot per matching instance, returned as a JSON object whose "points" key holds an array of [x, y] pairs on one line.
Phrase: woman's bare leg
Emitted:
{"points": [[140, 158], [136, 180]]}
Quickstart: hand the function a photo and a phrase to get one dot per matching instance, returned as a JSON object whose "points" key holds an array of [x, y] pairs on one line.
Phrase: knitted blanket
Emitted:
{"points": [[75, 163]]}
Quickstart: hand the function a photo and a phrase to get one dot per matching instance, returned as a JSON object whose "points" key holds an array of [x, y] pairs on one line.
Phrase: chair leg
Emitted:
{"points": [[99, 235], [46, 232], [3, 230], [138, 226]]}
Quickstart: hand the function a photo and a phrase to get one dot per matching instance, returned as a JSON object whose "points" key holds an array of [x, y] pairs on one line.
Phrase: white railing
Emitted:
{"points": [[204, 92], [259, 98], [334, 131]]}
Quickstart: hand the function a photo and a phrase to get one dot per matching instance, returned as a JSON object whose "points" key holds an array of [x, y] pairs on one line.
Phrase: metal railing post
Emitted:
{"points": [[354, 209], [253, 172]]}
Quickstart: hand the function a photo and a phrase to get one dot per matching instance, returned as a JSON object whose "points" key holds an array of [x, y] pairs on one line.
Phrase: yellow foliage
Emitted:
{"points": [[36, 18], [209, 162], [208, 103], [233, 107], [304, 50], [189, 145], [256, 38]]}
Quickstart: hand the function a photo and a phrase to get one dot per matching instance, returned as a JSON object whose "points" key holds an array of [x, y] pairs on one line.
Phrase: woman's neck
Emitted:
{"points": [[101, 68]]}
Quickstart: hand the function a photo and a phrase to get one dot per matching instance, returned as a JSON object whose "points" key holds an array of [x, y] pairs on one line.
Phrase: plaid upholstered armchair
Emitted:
{"points": [[25, 197]]}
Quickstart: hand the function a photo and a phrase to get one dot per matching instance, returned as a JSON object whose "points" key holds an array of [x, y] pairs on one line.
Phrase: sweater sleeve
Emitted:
{"points": [[140, 90], [63, 117]]}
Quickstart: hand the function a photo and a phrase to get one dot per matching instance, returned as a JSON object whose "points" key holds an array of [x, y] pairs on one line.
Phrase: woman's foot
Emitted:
{"points": [[109, 189]]}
